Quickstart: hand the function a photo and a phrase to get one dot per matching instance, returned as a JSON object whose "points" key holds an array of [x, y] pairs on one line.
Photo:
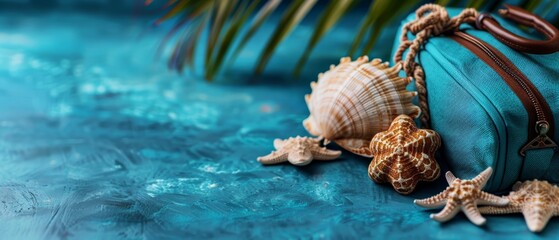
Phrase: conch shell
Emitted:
{"points": [[354, 100]]}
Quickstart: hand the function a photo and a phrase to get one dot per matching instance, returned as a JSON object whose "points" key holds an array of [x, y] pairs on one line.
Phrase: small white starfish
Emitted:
{"points": [[463, 195], [298, 151]]}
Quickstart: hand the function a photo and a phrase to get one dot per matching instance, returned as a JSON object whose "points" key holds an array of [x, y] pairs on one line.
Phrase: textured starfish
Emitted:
{"points": [[537, 200], [404, 155], [298, 151], [463, 195]]}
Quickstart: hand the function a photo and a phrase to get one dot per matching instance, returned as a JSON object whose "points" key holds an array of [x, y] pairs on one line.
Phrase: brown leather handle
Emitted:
{"points": [[519, 15]]}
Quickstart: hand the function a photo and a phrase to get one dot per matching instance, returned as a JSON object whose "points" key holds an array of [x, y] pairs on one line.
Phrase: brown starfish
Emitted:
{"points": [[463, 195], [404, 155]]}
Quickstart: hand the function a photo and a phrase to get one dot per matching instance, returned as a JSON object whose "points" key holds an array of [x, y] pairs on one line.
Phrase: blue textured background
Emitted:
{"points": [[98, 140]]}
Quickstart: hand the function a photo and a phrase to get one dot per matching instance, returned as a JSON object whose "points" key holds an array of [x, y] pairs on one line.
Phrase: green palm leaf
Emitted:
{"points": [[176, 9], [258, 20], [532, 4], [442, 2], [227, 22], [386, 11], [333, 12], [475, 4], [366, 24], [294, 14], [240, 17], [194, 11], [222, 10]]}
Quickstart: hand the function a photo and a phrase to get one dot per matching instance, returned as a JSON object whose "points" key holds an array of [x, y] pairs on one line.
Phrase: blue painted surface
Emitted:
{"points": [[98, 140]]}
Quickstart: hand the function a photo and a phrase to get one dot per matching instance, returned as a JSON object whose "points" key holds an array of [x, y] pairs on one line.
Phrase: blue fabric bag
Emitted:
{"points": [[494, 97]]}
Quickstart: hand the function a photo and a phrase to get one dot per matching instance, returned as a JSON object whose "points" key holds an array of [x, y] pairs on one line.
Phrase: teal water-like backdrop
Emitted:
{"points": [[99, 141]]}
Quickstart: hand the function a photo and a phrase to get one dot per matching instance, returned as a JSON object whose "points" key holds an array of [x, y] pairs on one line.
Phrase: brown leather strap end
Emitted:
{"points": [[521, 16]]}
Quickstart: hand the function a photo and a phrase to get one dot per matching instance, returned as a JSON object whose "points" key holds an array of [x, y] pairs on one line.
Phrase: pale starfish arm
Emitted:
{"points": [[483, 177], [536, 217], [325, 154], [278, 143], [449, 177], [299, 151], [471, 211], [273, 158], [490, 199], [432, 202], [449, 211], [499, 210]]}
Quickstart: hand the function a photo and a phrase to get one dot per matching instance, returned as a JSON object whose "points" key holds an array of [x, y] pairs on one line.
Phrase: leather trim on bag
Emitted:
{"points": [[523, 17], [515, 87]]}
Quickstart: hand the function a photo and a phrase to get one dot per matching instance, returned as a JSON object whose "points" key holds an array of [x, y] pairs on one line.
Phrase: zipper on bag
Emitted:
{"points": [[539, 112]]}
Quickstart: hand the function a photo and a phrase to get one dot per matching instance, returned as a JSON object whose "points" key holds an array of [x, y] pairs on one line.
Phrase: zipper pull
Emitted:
{"points": [[541, 141]]}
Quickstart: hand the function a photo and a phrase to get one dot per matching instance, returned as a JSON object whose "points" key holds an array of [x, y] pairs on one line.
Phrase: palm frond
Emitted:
{"points": [[222, 10], [442, 2], [178, 8], [386, 13], [365, 25], [192, 43], [333, 12], [192, 13], [294, 14], [228, 29], [547, 8], [532, 4], [475, 4], [258, 20], [237, 22]]}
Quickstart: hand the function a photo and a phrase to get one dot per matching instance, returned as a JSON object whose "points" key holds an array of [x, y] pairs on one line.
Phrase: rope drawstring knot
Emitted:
{"points": [[431, 20], [434, 21]]}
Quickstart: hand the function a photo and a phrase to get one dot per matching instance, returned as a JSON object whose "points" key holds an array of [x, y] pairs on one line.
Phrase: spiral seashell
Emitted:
{"points": [[354, 100]]}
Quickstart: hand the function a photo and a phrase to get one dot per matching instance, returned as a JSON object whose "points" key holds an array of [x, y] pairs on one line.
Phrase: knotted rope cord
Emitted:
{"points": [[431, 20]]}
